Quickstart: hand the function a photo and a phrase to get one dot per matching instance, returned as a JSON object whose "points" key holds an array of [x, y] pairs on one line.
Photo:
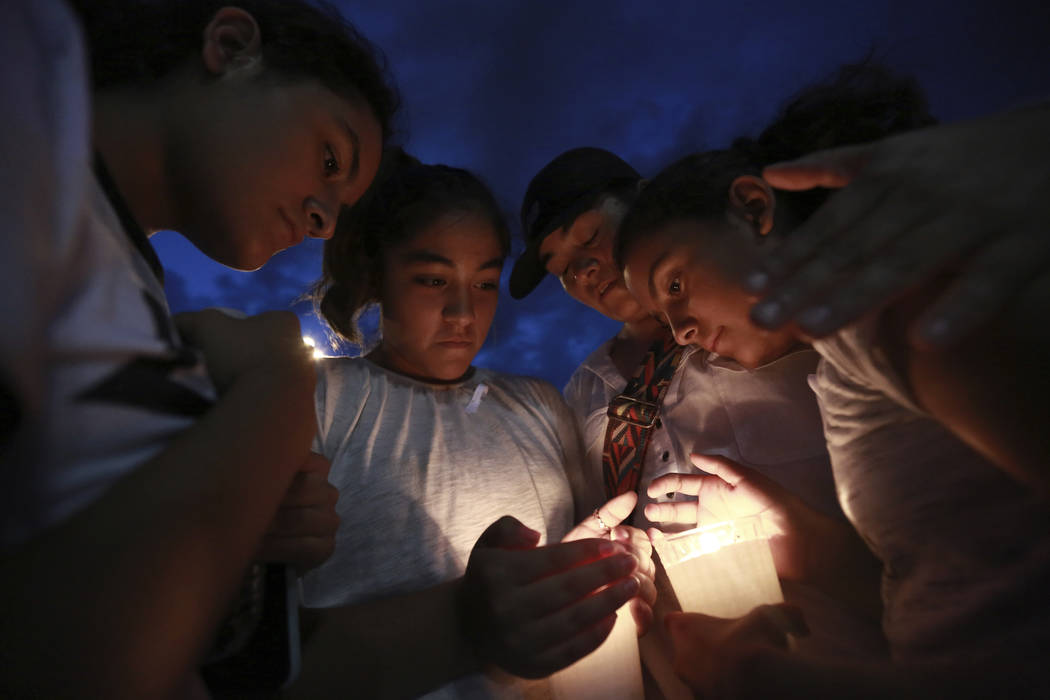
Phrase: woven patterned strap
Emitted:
{"points": [[632, 415]]}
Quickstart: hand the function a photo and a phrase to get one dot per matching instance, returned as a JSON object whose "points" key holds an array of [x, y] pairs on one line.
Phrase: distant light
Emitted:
{"points": [[311, 343]]}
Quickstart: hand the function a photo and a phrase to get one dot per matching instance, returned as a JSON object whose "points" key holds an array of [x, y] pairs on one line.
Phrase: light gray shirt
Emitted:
{"points": [[421, 474]]}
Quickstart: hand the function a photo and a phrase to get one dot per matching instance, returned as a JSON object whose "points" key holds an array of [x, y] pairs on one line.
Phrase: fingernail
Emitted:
{"points": [[756, 281], [767, 313], [629, 586], [813, 319], [626, 563]]}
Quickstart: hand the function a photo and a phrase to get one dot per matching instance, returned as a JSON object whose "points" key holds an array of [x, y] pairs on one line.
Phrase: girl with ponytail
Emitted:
{"points": [[456, 562], [929, 452]]}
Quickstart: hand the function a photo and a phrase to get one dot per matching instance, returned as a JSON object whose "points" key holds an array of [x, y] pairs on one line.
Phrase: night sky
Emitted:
{"points": [[502, 87]]}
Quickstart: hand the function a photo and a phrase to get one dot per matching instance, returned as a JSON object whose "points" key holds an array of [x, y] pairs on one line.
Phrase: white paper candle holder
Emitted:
{"points": [[724, 570]]}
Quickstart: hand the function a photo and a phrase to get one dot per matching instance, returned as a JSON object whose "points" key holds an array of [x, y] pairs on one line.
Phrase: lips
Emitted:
{"points": [[294, 235], [711, 343], [456, 343]]}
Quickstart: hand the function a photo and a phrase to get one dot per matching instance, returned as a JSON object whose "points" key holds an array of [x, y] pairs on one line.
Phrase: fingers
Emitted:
{"points": [[684, 512], [618, 509], [310, 488], [508, 533], [642, 613], [550, 594], [316, 464], [611, 514], [689, 484], [315, 521], [724, 468], [566, 652], [837, 218], [832, 168]]}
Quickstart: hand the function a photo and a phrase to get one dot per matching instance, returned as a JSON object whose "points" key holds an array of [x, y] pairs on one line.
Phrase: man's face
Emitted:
{"points": [[581, 256], [261, 163]]}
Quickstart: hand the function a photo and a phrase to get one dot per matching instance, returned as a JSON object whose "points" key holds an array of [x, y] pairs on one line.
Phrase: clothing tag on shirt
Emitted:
{"points": [[475, 401]]}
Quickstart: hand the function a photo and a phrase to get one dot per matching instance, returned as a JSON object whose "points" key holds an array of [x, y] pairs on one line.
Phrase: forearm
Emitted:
{"points": [[838, 562], [121, 599], [397, 647], [990, 392]]}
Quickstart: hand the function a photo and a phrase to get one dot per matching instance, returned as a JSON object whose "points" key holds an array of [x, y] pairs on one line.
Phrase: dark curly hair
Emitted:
{"points": [[405, 198], [861, 102], [139, 42]]}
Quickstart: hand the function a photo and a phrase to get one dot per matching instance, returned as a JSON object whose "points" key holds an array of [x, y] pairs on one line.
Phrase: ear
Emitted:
{"points": [[231, 41], [752, 199]]}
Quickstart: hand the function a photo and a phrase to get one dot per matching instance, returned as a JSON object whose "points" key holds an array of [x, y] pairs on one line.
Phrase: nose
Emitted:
{"points": [[584, 270], [685, 329], [320, 217], [459, 306]]}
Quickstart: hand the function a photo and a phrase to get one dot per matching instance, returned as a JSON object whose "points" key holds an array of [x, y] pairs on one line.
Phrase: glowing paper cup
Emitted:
{"points": [[724, 570], [613, 670]]}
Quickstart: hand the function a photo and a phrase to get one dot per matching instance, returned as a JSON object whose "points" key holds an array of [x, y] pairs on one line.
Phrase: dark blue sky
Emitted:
{"points": [[502, 86]]}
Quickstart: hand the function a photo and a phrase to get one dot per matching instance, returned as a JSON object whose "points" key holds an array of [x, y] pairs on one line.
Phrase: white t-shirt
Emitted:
{"points": [[766, 419], [93, 377], [420, 477], [966, 549]]}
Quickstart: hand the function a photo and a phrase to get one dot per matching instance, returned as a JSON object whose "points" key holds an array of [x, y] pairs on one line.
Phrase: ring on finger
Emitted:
{"points": [[601, 523]]}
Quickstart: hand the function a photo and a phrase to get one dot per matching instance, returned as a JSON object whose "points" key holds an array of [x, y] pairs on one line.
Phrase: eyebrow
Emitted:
{"points": [[652, 275], [426, 256], [355, 143]]}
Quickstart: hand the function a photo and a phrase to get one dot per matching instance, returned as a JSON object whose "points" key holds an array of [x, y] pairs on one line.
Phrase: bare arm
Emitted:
{"points": [[120, 600], [990, 390], [528, 610]]}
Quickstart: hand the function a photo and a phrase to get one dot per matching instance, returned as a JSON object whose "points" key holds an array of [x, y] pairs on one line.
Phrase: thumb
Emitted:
{"points": [[833, 168], [508, 533], [316, 463]]}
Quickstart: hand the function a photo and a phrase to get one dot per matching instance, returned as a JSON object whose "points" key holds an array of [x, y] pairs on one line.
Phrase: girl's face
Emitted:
{"points": [[686, 272], [438, 293], [581, 256]]}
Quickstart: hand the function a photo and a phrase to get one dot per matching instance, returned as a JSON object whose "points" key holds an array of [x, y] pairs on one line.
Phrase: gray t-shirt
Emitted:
{"points": [[422, 473], [966, 549]]}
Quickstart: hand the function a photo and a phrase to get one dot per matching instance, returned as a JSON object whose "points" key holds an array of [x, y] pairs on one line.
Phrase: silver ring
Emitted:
{"points": [[601, 523]]}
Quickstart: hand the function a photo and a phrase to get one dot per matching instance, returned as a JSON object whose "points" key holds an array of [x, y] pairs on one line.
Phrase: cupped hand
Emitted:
{"points": [[534, 610], [607, 523], [714, 656], [952, 201], [730, 490], [303, 531]]}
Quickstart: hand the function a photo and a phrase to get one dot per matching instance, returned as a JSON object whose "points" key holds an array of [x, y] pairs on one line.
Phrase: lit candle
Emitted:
{"points": [[613, 670], [723, 570]]}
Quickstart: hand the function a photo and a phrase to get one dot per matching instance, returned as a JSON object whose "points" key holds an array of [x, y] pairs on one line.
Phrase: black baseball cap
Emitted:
{"points": [[565, 188]]}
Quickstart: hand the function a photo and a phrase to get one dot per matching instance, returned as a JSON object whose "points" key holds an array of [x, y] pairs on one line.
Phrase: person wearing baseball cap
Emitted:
{"points": [[765, 419]]}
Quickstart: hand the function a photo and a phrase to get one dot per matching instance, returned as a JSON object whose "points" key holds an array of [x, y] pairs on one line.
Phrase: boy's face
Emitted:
{"points": [[259, 163], [581, 256], [685, 272], [439, 292]]}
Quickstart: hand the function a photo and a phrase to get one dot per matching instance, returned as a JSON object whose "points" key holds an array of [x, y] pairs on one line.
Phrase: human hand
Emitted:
{"points": [[717, 657], [728, 491], [607, 523], [534, 610], [303, 531], [954, 200], [233, 346]]}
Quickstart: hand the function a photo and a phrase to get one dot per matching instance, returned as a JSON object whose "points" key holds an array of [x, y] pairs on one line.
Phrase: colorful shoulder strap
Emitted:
{"points": [[633, 413]]}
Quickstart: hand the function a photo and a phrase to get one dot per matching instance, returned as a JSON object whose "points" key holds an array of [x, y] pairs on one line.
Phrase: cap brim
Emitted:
{"points": [[527, 273]]}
